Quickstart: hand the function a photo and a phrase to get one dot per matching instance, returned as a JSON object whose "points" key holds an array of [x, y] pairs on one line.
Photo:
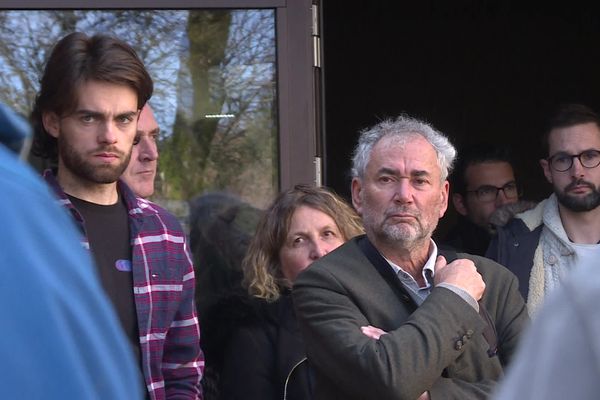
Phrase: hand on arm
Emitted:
{"points": [[372, 332]]}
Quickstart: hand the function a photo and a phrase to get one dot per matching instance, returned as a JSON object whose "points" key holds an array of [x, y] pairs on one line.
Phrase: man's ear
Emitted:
{"points": [[459, 204], [546, 168], [51, 123], [356, 189], [444, 198]]}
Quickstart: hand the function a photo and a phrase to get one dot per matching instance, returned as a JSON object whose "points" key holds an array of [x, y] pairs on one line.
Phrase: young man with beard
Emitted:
{"points": [[85, 117], [543, 244], [389, 315]]}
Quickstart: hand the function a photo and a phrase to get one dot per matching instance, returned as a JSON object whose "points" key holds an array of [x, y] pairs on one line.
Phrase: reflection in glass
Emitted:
{"points": [[214, 98], [215, 102]]}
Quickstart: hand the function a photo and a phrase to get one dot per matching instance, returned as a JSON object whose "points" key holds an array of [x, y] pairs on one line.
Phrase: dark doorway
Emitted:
{"points": [[477, 70]]}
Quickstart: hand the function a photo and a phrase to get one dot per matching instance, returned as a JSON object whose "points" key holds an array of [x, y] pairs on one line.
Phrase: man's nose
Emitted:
{"points": [[108, 133], [402, 191], [148, 150], [577, 169]]}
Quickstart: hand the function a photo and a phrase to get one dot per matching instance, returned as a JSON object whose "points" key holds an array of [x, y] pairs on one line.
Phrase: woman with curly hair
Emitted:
{"points": [[265, 358]]}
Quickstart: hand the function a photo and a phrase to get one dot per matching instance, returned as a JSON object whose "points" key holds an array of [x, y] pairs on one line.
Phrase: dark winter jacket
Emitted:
{"points": [[514, 246], [467, 237], [535, 246], [265, 358]]}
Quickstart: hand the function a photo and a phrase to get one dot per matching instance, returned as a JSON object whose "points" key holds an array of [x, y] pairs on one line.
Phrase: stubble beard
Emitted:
{"points": [[77, 164], [578, 204]]}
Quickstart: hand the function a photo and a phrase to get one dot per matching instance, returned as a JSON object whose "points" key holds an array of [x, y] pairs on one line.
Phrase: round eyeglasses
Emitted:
{"points": [[488, 193], [562, 162]]}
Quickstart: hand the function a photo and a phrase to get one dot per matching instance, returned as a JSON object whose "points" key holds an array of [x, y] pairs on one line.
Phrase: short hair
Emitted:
{"points": [[76, 59], [474, 154], [403, 128], [567, 115], [261, 266]]}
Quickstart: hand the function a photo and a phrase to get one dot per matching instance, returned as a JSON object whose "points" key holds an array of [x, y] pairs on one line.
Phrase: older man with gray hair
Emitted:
{"points": [[141, 170], [390, 316]]}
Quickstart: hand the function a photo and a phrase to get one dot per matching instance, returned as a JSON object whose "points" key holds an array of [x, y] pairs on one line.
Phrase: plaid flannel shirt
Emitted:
{"points": [[163, 286]]}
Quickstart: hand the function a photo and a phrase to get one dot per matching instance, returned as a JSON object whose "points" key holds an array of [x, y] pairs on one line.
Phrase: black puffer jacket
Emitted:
{"points": [[265, 358]]}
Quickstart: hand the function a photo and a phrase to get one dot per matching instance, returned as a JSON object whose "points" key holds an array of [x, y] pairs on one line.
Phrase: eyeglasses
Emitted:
{"points": [[489, 193], [561, 162]]}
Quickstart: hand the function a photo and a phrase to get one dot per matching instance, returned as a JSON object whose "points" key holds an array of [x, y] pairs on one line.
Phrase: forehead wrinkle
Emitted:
{"points": [[152, 132], [573, 137], [319, 228], [388, 170], [126, 114], [566, 153], [81, 111], [420, 172], [296, 232], [396, 172], [86, 111]]}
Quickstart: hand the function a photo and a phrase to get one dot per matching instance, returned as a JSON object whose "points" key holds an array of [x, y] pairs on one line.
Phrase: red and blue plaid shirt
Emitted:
{"points": [[163, 286]]}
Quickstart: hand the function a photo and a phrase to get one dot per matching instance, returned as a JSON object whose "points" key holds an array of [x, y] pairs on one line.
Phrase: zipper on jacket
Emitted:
{"points": [[289, 375]]}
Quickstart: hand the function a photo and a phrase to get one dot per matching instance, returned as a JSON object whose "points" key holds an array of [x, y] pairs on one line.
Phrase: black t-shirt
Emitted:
{"points": [[107, 229]]}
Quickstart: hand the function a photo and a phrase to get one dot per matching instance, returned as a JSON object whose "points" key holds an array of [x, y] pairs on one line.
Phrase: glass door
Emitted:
{"points": [[235, 97], [215, 96]]}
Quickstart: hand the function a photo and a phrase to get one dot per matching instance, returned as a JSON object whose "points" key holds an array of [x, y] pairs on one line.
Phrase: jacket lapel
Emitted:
{"points": [[385, 270], [387, 273]]}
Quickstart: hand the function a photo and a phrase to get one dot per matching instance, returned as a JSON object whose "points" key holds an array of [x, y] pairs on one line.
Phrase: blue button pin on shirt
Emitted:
{"points": [[123, 265]]}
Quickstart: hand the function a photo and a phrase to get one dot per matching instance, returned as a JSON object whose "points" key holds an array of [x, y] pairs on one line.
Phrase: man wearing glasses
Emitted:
{"points": [[562, 233], [483, 180]]}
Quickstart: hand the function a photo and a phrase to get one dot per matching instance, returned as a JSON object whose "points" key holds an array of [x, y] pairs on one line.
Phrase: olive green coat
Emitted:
{"points": [[437, 347]]}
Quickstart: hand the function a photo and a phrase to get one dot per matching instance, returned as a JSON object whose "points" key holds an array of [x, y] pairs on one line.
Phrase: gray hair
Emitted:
{"points": [[402, 128]]}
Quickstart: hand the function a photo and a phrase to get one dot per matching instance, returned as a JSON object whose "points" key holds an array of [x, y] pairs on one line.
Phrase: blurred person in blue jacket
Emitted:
{"points": [[61, 337]]}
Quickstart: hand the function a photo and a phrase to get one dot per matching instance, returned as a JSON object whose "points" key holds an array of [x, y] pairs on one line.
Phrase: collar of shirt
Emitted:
{"points": [[429, 266]]}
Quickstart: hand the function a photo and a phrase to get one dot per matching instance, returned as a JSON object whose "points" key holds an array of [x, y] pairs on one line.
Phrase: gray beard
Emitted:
{"points": [[397, 235]]}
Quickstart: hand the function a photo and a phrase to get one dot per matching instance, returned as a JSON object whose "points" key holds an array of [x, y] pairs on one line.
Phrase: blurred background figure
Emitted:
{"points": [[483, 180], [221, 227], [141, 171], [548, 368], [61, 337], [265, 358], [15, 132]]}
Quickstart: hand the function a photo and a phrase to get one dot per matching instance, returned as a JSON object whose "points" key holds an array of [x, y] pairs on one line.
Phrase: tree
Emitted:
{"points": [[204, 63]]}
